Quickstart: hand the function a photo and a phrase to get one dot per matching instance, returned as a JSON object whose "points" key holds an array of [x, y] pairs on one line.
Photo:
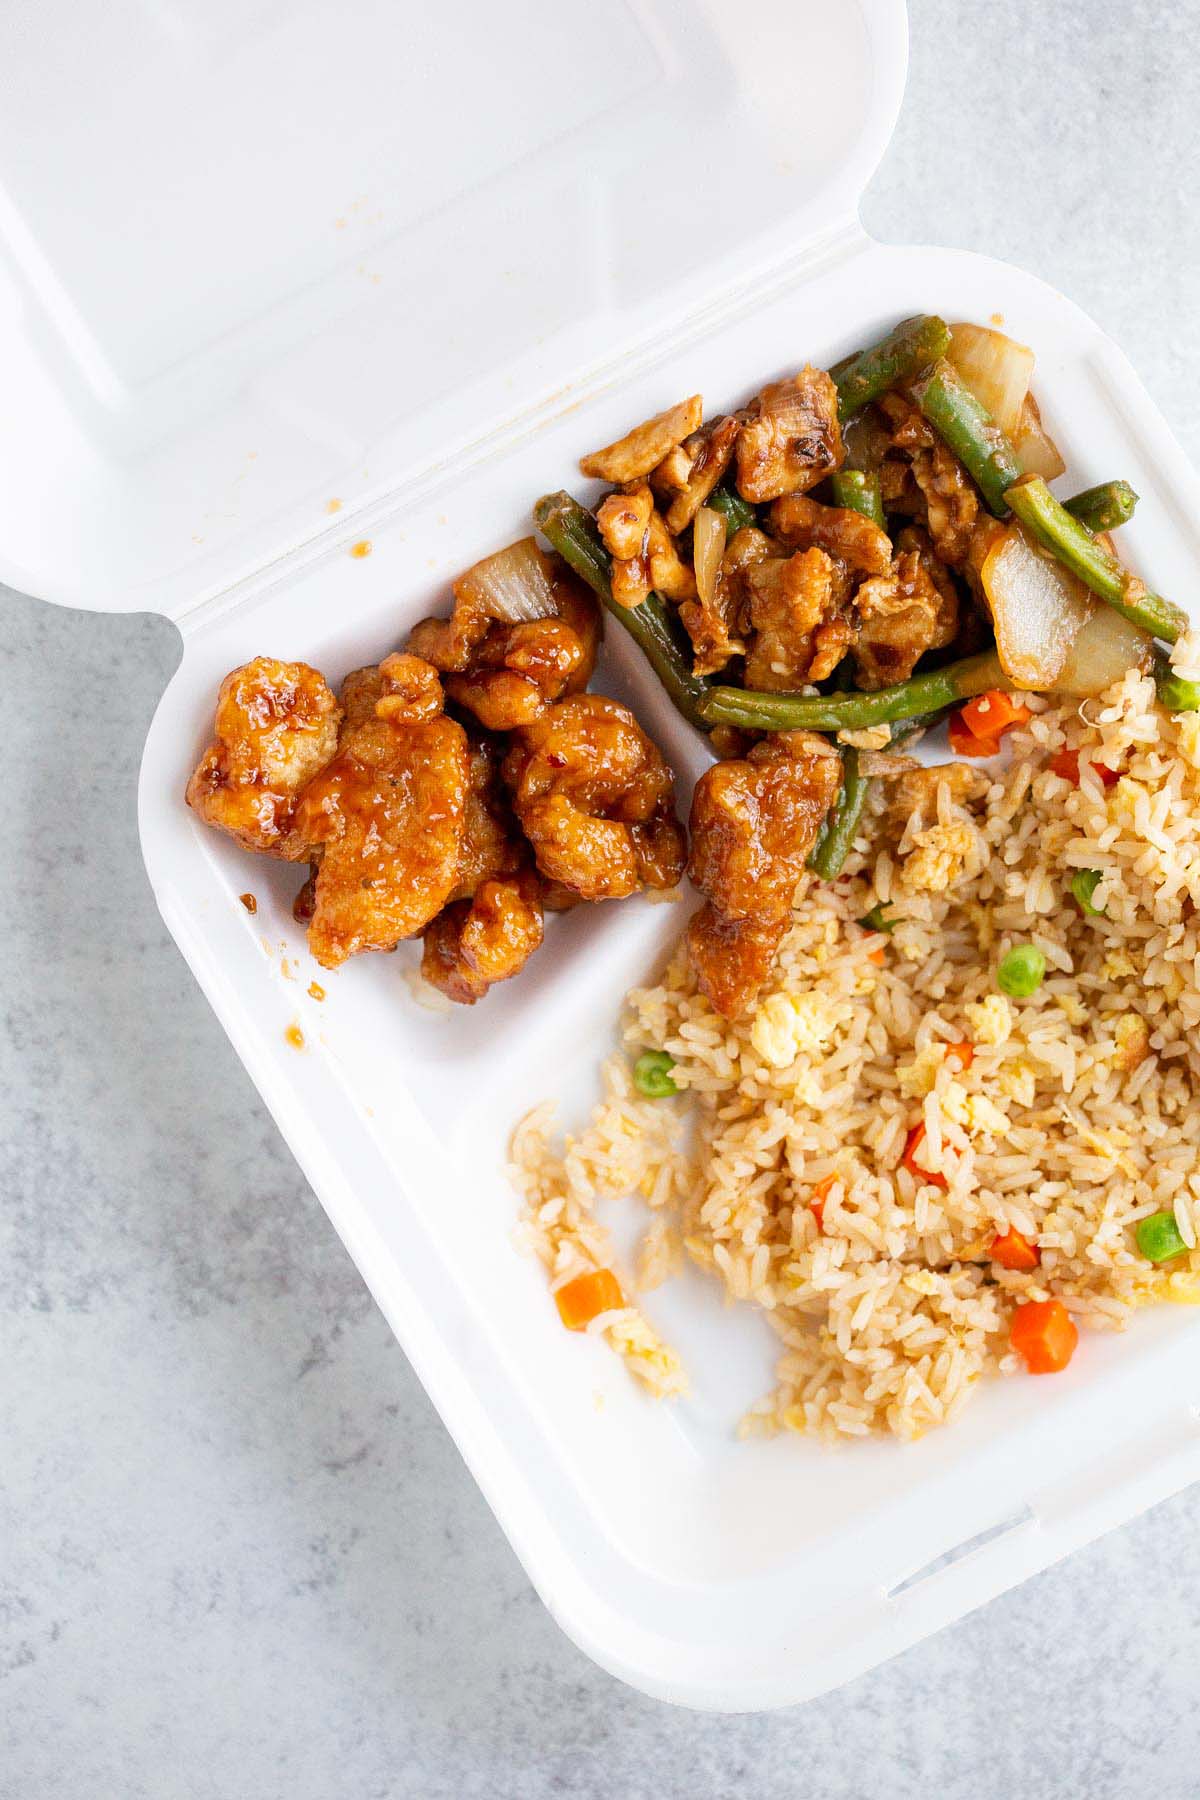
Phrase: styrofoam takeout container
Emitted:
{"points": [[261, 259]]}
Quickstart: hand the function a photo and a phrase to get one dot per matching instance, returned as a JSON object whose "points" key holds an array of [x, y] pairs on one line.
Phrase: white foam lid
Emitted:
{"points": [[259, 257]]}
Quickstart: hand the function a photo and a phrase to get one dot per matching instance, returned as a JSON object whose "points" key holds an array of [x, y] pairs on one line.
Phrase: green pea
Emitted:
{"points": [[878, 920], [1159, 1237], [1022, 971], [1084, 883], [652, 1075]]}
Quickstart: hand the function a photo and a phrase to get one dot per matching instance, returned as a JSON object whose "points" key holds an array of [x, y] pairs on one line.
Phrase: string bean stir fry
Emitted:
{"points": [[859, 553]]}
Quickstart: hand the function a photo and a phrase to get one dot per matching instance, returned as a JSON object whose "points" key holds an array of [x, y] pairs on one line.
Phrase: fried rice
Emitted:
{"points": [[1078, 1115]]}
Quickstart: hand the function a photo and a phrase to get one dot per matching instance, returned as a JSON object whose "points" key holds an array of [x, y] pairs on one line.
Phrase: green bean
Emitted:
{"points": [[860, 492], [969, 429], [840, 824], [838, 827], [931, 692], [573, 533], [1075, 547], [1104, 507], [1174, 693], [903, 353], [957, 416], [736, 512]]}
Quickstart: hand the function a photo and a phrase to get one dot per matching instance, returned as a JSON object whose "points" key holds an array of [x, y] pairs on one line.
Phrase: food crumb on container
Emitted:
{"points": [[249, 902]]}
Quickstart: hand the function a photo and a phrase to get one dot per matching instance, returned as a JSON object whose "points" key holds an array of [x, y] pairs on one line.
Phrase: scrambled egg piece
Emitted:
{"points": [[1072, 1009], [787, 1024], [874, 737], [1188, 728], [984, 1115], [1018, 1081], [1123, 801], [918, 1077], [956, 1104], [975, 1112], [990, 1019], [1116, 966], [941, 858], [1182, 1287], [1133, 1041], [984, 925]]}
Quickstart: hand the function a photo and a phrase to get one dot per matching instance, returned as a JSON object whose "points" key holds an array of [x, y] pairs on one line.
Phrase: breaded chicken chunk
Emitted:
{"points": [[596, 800], [801, 523], [475, 943], [754, 821], [732, 957], [276, 725], [507, 673], [388, 817], [492, 844], [517, 672]]}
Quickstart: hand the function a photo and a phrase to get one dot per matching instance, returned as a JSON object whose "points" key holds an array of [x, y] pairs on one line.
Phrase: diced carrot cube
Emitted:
{"points": [[1045, 1335], [990, 715], [964, 1052], [587, 1296], [820, 1195], [1012, 1250], [1065, 764], [963, 741], [916, 1138]]}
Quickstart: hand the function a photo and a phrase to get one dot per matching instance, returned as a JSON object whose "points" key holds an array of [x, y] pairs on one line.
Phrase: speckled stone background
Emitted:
{"points": [[239, 1555]]}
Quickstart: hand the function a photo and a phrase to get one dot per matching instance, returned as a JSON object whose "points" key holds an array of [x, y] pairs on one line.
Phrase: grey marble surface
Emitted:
{"points": [[238, 1554]]}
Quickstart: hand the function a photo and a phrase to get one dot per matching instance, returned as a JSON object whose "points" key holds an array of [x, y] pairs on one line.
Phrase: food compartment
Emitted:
{"points": [[635, 1516]]}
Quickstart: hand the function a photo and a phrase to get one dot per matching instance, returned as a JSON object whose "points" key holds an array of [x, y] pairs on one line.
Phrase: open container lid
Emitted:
{"points": [[258, 258]]}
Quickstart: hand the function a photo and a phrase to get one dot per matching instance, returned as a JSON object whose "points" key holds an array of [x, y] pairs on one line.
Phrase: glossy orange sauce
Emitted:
{"points": [[316, 991], [362, 548], [294, 1036]]}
